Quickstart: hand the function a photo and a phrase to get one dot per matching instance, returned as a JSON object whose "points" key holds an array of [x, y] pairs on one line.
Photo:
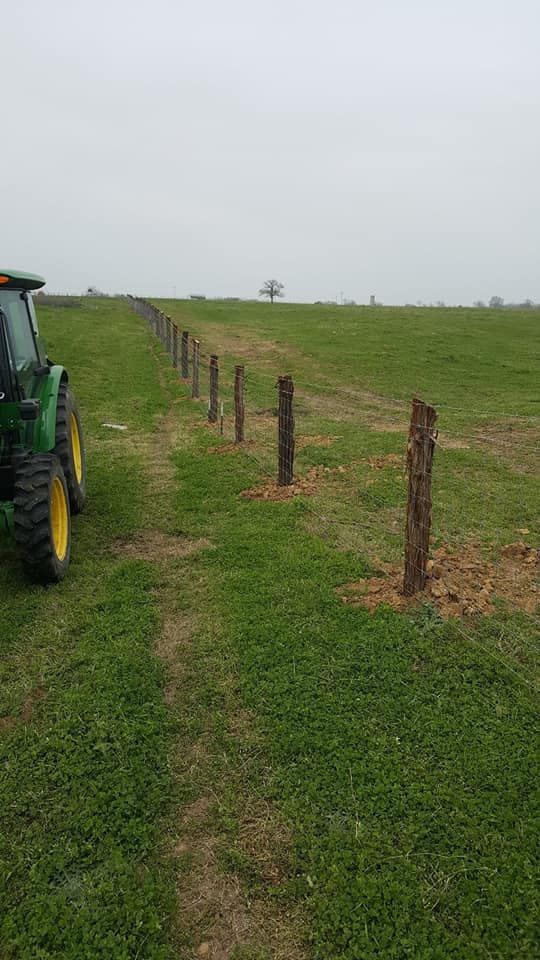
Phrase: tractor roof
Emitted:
{"points": [[17, 280]]}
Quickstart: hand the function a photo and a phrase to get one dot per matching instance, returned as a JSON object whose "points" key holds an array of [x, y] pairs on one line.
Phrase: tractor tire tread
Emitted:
{"points": [[65, 407], [32, 517]]}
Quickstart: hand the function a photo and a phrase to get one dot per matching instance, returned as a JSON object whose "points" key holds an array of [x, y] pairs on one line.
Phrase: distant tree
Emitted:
{"points": [[522, 305], [479, 304], [271, 289], [496, 303]]}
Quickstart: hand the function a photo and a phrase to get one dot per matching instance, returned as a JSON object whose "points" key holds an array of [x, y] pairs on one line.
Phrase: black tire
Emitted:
{"points": [[75, 474], [39, 486]]}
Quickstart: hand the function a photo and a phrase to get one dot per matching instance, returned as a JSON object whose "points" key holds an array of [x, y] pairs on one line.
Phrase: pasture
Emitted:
{"points": [[206, 751]]}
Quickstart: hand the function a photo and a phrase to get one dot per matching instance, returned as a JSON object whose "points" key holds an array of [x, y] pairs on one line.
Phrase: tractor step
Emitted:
{"points": [[6, 516]]}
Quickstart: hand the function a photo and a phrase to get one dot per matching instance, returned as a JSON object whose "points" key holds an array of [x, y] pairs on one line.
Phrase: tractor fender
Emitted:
{"points": [[47, 394]]}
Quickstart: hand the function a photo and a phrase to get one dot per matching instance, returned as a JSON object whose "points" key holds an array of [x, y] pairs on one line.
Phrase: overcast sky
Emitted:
{"points": [[201, 146]]}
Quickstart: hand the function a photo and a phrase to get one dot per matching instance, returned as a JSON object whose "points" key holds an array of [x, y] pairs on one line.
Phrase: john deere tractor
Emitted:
{"points": [[42, 459]]}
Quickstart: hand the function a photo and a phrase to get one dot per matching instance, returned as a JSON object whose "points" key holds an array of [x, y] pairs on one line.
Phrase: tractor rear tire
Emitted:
{"points": [[69, 447], [42, 517]]}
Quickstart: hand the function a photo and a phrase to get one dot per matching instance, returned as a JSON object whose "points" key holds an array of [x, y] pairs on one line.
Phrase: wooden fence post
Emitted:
{"points": [[185, 360], [168, 323], [175, 346], [420, 448], [285, 431], [239, 404], [195, 370], [213, 401]]}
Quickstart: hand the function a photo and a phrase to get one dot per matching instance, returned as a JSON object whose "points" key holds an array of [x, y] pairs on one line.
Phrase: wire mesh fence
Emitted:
{"points": [[376, 499]]}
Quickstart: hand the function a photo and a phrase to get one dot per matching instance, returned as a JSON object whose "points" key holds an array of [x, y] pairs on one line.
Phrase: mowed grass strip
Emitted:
{"points": [[84, 734]]}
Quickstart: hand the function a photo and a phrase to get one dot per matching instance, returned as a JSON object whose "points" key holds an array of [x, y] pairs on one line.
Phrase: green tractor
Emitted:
{"points": [[42, 458]]}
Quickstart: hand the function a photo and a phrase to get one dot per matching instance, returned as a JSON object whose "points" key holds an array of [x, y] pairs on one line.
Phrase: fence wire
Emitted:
{"points": [[361, 505]]}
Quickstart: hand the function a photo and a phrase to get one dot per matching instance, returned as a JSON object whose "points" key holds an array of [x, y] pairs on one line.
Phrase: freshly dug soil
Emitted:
{"points": [[305, 486], [389, 460], [461, 584], [272, 491]]}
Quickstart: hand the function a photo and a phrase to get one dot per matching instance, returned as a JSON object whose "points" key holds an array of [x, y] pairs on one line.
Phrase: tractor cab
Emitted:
{"points": [[42, 463], [22, 352]]}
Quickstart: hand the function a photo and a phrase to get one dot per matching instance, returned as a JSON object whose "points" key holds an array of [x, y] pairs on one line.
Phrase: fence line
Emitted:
{"points": [[230, 411], [520, 443]]}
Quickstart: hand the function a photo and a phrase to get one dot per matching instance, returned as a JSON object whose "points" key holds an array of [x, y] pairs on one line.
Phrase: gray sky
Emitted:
{"points": [[388, 147]]}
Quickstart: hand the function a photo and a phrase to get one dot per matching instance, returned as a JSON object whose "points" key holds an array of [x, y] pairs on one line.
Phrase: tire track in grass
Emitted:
{"points": [[84, 777], [226, 846]]}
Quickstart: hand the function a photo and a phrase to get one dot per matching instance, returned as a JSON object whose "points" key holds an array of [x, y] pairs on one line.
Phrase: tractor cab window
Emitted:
{"points": [[20, 330]]}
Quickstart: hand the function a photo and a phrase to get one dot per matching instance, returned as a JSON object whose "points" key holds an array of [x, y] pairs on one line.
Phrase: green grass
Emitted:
{"points": [[399, 752], [476, 366], [402, 748], [84, 755], [464, 361]]}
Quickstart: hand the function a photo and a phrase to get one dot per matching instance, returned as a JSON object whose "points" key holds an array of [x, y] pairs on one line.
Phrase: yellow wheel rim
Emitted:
{"points": [[59, 519], [76, 448]]}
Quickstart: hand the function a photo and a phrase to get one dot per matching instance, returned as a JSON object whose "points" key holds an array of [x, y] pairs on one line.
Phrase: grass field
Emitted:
{"points": [[205, 752], [355, 372]]}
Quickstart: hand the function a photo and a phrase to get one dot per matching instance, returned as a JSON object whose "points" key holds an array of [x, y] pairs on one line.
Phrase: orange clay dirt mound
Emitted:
{"points": [[389, 460], [301, 486], [272, 491], [232, 447], [460, 584]]}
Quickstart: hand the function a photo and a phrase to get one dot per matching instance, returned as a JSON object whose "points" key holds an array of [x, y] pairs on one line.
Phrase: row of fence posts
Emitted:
{"points": [[172, 338], [285, 385], [420, 446]]}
